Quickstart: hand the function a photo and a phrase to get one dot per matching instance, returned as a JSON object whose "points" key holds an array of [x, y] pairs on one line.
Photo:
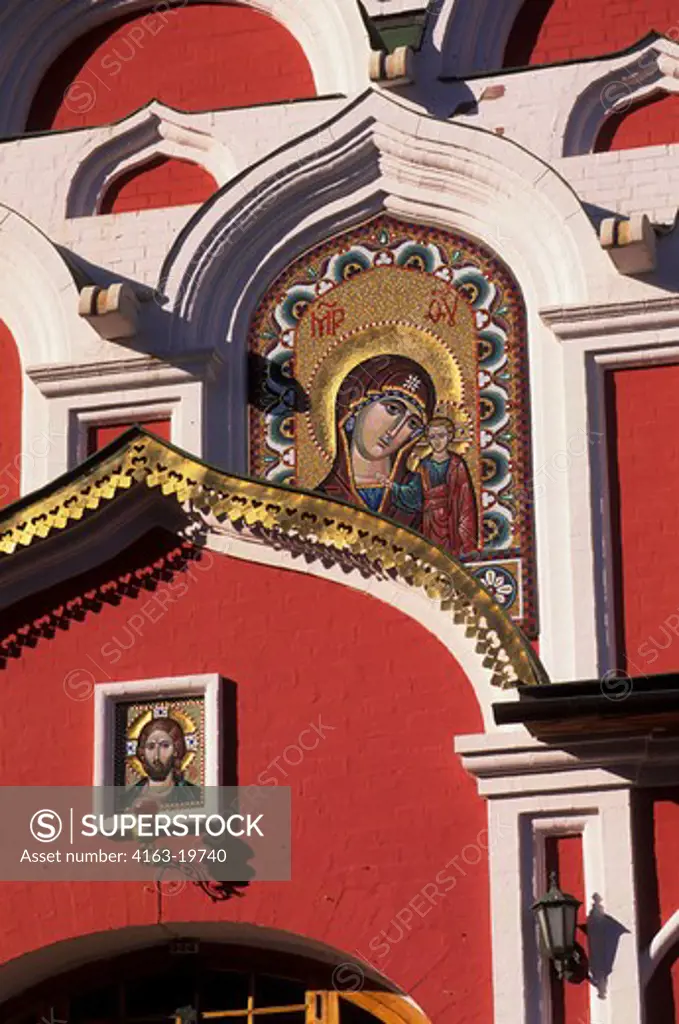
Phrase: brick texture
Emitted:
{"points": [[548, 31], [555, 30], [158, 184], [655, 123], [201, 57], [381, 804]]}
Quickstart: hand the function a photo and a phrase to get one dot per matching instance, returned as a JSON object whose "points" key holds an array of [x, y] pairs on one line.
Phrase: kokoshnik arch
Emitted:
{"points": [[390, 371]]}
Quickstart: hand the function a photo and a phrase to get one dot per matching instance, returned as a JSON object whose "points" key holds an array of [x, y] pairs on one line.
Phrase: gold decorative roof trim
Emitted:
{"points": [[141, 459]]}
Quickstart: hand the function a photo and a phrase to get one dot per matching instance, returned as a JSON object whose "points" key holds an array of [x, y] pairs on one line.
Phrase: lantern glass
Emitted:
{"points": [[543, 924], [556, 914], [558, 927]]}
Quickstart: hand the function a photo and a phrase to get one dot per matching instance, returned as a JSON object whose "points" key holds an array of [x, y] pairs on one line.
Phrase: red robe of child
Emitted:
{"points": [[449, 514]]}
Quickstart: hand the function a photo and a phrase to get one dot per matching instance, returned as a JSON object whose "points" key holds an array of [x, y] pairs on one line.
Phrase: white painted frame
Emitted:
{"points": [[107, 393], [83, 419], [108, 695], [595, 340], [535, 791]]}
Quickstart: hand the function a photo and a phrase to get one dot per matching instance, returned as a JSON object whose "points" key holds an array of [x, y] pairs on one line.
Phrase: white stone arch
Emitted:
{"points": [[331, 34], [651, 68], [471, 35], [39, 304], [383, 154], [38, 294], [154, 131]]}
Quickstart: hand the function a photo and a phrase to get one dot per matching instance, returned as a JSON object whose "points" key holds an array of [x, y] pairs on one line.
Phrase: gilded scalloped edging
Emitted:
{"points": [[387, 548]]}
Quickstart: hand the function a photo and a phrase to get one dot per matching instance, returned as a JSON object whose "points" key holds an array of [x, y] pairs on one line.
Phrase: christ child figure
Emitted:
{"points": [[440, 489]]}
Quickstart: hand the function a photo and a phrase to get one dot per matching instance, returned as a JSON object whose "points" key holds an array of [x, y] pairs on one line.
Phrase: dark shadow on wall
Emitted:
{"points": [[525, 32], [603, 933]]}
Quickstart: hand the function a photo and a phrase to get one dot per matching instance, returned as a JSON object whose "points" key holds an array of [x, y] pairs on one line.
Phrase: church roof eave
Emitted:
{"points": [[313, 524]]}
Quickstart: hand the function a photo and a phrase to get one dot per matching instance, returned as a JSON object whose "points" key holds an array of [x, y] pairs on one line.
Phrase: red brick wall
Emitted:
{"points": [[389, 841], [554, 30], [158, 183], [200, 57], [10, 421], [645, 470]]}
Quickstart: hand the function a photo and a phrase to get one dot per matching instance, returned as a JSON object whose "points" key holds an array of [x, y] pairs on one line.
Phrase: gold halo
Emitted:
{"points": [[134, 732], [397, 339], [187, 724]]}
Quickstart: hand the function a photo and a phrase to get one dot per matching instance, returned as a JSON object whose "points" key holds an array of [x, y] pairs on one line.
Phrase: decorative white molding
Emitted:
{"points": [[82, 420], [39, 303], [621, 83], [154, 131], [629, 322], [64, 379], [126, 390], [510, 761], [471, 35], [596, 338], [537, 790], [331, 34], [38, 295]]}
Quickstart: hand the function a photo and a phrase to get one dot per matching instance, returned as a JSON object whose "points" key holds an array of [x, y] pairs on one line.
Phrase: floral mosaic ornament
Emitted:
{"points": [[394, 377]]}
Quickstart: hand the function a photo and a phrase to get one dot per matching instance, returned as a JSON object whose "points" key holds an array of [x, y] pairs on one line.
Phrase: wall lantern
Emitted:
{"points": [[557, 915]]}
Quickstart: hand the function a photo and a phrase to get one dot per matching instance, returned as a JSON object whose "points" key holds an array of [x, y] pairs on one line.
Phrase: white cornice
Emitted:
{"points": [[602, 320], [513, 762], [84, 378]]}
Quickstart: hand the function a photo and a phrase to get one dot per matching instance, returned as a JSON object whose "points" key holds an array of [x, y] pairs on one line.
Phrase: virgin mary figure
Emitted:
{"points": [[382, 408]]}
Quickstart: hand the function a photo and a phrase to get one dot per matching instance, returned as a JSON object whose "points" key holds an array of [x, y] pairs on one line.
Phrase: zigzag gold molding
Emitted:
{"points": [[331, 528]]}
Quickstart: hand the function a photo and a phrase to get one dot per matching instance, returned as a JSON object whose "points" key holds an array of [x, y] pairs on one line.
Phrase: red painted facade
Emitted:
{"points": [[547, 31], [649, 124], [99, 436], [381, 807], [644, 522], [202, 57], [390, 822]]}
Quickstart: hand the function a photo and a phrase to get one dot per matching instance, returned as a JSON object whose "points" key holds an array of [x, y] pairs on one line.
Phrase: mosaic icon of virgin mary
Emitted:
{"points": [[382, 409]]}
